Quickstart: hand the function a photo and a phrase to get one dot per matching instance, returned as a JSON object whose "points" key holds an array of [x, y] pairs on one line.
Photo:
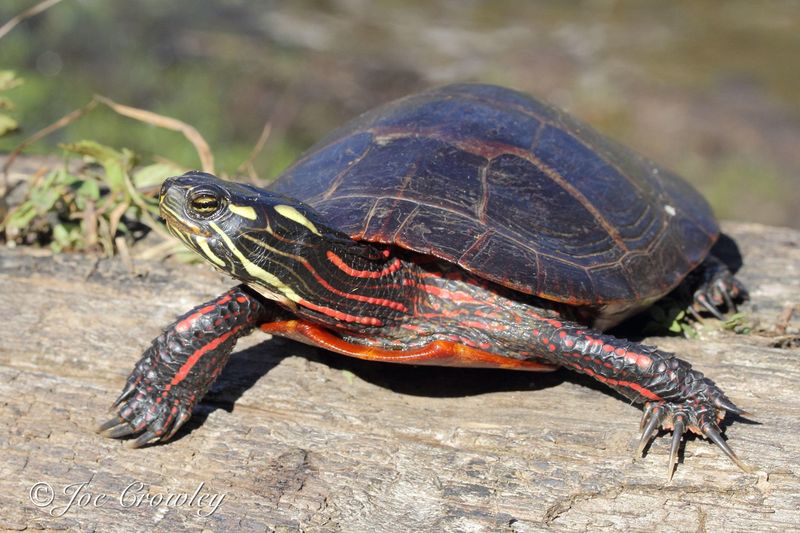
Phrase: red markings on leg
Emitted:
{"points": [[445, 294], [189, 364], [618, 383], [642, 361], [483, 325], [189, 321]]}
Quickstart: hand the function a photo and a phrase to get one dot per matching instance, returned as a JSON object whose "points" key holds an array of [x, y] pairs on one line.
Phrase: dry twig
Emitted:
{"points": [[149, 117], [28, 13], [247, 165]]}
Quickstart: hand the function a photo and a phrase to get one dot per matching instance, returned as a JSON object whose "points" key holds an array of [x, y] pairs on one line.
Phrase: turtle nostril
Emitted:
{"points": [[165, 186]]}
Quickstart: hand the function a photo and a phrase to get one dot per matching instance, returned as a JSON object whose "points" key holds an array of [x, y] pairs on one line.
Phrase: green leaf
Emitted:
{"points": [[66, 236], [21, 217], [349, 377], [116, 164], [44, 198], [60, 238], [737, 323], [689, 332], [7, 124], [155, 174], [61, 180], [6, 103], [89, 189], [9, 80]]}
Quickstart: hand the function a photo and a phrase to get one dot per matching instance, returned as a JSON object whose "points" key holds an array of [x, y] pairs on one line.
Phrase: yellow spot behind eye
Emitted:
{"points": [[202, 242], [243, 211], [296, 216]]}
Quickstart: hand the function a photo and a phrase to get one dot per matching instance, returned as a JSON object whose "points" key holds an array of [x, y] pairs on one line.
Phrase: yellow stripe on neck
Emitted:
{"points": [[254, 270], [296, 216], [202, 242]]}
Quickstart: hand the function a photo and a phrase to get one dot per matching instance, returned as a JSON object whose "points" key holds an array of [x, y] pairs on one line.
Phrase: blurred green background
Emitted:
{"points": [[709, 89]]}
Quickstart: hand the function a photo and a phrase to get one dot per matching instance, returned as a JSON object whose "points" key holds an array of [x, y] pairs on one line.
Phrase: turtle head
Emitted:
{"points": [[256, 236], [282, 249]]}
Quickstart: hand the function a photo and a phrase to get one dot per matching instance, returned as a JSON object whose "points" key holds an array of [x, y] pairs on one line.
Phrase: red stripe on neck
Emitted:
{"points": [[398, 306], [341, 265]]}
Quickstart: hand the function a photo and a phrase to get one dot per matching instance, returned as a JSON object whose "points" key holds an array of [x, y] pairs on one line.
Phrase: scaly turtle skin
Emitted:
{"points": [[469, 225]]}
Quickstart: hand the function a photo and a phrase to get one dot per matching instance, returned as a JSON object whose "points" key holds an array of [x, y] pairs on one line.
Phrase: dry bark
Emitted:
{"points": [[298, 439]]}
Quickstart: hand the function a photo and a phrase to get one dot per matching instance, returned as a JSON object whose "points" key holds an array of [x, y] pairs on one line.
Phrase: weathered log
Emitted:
{"points": [[293, 438]]}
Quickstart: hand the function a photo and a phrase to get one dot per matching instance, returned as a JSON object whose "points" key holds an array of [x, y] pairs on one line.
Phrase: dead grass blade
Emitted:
{"points": [[26, 14], [149, 117], [66, 120], [161, 250], [247, 165]]}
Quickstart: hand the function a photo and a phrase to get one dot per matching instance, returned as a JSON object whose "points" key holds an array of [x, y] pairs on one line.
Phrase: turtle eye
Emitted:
{"points": [[205, 204]]}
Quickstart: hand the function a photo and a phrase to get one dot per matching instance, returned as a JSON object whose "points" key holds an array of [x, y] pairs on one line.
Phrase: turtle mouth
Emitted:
{"points": [[179, 228]]}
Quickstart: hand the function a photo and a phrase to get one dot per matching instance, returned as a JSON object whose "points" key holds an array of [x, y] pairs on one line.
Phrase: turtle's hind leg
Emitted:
{"points": [[715, 289], [676, 396]]}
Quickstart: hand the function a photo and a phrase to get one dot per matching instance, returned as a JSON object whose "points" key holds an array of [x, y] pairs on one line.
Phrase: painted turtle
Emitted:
{"points": [[469, 225]]}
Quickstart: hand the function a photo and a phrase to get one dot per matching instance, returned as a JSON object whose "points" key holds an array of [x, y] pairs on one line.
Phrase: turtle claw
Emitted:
{"points": [[726, 295], [183, 416], [677, 435], [721, 402], [699, 417], [712, 433], [118, 427], [144, 439], [704, 302], [149, 407], [650, 421], [110, 424], [148, 418], [121, 430], [719, 289], [127, 392], [695, 313]]}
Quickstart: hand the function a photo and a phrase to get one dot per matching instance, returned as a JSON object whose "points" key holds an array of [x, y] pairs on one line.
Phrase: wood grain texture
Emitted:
{"points": [[298, 439]]}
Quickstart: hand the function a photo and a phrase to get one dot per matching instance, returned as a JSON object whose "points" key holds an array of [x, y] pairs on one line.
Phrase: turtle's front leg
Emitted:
{"points": [[180, 365], [675, 396]]}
